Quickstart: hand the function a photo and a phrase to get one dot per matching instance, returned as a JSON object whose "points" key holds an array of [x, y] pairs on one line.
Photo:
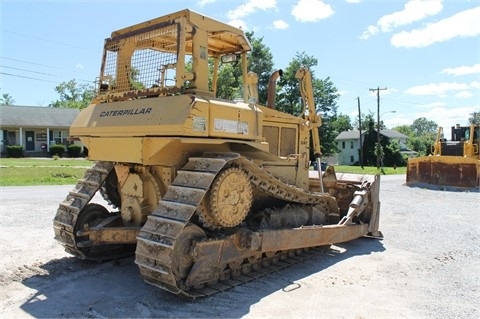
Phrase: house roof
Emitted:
{"points": [[348, 135], [355, 135], [36, 116], [393, 134]]}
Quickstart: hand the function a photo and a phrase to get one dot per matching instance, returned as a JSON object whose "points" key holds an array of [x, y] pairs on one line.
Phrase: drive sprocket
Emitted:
{"points": [[228, 201]]}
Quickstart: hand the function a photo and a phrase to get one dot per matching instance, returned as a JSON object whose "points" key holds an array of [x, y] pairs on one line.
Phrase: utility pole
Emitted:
{"points": [[360, 130], [378, 148]]}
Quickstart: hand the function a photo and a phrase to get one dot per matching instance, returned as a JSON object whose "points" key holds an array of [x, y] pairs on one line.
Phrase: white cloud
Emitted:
{"points": [[463, 95], [250, 7], [353, 1], [462, 24], [280, 24], [432, 105], [238, 23], [371, 30], [413, 11], [436, 88], [202, 3], [462, 70], [311, 10], [447, 117], [475, 85], [79, 66]]}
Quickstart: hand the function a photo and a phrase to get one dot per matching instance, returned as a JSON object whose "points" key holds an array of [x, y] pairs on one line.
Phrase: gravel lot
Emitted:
{"points": [[427, 266]]}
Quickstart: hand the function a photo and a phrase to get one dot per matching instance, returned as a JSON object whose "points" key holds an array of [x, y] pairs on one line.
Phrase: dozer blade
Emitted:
{"points": [[345, 188], [444, 173]]}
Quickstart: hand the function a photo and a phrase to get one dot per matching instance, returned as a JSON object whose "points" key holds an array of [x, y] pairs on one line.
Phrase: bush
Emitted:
{"points": [[74, 150], [57, 149], [15, 151]]}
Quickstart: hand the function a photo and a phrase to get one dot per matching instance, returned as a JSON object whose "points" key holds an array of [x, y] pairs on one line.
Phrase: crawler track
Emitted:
{"points": [[156, 253], [69, 210]]}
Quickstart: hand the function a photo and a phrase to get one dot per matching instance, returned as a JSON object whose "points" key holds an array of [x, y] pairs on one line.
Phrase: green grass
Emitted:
{"points": [[41, 171], [371, 170], [44, 162], [65, 171]]}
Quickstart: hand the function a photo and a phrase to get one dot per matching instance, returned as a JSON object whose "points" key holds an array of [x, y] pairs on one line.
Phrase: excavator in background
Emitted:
{"points": [[454, 164], [206, 193]]}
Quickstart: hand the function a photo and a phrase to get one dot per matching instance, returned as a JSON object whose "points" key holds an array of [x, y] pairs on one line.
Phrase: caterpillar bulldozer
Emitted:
{"points": [[205, 193], [453, 165]]}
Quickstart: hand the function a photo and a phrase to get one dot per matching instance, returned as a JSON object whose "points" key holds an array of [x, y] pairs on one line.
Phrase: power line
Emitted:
{"points": [[42, 80], [10, 67], [27, 77], [51, 41], [39, 64], [34, 63]]}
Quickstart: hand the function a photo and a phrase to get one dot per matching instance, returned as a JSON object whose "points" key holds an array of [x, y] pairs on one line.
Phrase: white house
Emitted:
{"points": [[348, 143], [35, 128]]}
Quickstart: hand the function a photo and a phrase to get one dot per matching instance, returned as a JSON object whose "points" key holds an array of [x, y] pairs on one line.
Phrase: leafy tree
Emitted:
{"points": [[421, 135], [227, 86], [388, 150], [73, 95], [325, 94], [404, 129], [475, 118], [341, 123], [135, 83], [421, 144], [422, 126], [260, 61], [369, 143], [289, 98], [370, 116], [392, 154], [6, 99]]}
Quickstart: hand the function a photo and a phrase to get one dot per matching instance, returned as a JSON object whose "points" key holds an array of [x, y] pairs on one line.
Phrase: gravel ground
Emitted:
{"points": [[427, 266]]}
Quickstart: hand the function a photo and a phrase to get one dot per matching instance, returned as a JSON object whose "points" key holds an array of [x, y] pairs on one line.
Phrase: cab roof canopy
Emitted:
{"points": [[222, 38]]}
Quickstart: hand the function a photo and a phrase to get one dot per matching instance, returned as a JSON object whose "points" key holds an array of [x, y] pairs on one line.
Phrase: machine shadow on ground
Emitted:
{"points": [[69, 287]]}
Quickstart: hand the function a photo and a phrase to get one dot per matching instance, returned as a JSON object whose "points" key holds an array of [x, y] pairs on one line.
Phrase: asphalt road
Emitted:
{"points": [[427, 266]]}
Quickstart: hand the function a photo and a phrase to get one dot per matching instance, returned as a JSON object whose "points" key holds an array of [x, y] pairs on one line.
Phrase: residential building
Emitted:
{"points": [[35, 128], [348, 143]]}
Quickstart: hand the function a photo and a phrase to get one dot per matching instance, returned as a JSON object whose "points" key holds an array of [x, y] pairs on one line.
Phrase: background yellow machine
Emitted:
{"points": [[454, 163], [205, 192]]}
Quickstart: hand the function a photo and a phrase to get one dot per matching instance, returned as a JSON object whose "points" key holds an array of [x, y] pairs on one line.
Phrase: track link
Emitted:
{"points": [[69, 210], [157, 239]]}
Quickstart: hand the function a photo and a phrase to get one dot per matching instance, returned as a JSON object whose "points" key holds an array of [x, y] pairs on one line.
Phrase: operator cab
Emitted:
{"points": [[175, 54]]}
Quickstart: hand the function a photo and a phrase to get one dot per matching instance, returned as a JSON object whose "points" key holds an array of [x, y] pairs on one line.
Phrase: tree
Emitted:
{"points": [[227, 87], [260, 61], [365, 119], [6, 99], [421, 135], [404, 129], [73, 95], [369, 143], [392, 155], [422, 126], [475, 118], [341, 123], [325, 95]]}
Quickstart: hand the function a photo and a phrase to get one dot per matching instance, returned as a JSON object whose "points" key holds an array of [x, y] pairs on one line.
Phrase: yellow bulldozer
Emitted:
{"points": [[206, 193], [453, 165]]}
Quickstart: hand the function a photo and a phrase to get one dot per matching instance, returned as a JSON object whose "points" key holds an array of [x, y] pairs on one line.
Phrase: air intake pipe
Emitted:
{"points": [[271, 88]]}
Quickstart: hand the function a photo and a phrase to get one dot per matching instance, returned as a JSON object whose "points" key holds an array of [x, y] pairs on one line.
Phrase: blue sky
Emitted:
{"points": [[425, 52]]}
